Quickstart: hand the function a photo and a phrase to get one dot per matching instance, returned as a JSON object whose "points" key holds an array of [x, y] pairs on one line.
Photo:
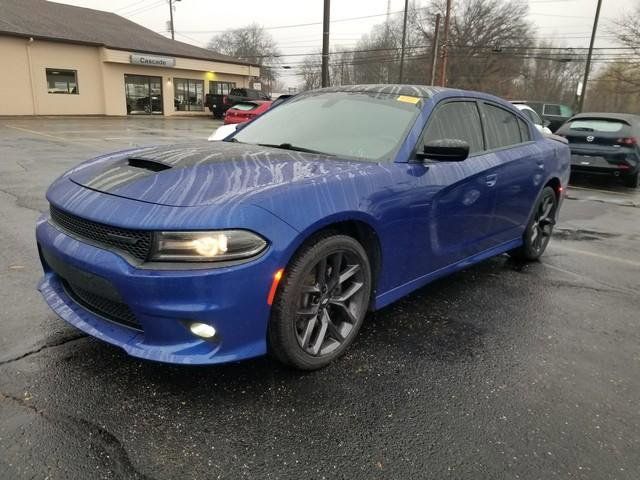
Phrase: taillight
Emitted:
{"points": [[224, 99], [627, 141]]}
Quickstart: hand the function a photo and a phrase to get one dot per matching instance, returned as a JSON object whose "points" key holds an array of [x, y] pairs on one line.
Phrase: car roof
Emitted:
{"points": [[424, 91], [627, 117], [545, 102]]}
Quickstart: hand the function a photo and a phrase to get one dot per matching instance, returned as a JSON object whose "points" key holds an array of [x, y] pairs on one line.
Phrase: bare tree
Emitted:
{"points": [[551, 74], [627, 31], [251, 43], [488, 42]]}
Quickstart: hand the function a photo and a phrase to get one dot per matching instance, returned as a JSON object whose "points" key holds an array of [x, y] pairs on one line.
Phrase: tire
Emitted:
{"points": [[632, 181], [318, 308], [540, 227]]}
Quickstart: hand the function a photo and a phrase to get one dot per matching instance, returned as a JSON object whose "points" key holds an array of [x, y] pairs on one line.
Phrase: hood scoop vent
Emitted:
{"points": [[147, 164]]}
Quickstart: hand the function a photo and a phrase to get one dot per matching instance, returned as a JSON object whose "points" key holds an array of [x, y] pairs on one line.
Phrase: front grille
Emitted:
{"points": [[115, 311], [136, 243]]}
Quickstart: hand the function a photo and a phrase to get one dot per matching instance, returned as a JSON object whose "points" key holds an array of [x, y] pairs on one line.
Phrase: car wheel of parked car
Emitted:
{"points": [[321, 302], [538, 233], [632, 181]]}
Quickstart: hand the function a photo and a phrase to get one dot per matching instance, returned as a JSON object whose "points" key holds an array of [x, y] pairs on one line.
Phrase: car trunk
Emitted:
{"points": [[600, 142]]}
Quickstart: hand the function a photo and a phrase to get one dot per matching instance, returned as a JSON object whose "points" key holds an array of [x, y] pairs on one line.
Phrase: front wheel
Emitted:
{"points": [[321, 303], [632, 181], [538, 232]]}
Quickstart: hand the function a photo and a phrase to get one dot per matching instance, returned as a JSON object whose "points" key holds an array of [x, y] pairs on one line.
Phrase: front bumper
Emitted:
{"points": [[232, 299]]}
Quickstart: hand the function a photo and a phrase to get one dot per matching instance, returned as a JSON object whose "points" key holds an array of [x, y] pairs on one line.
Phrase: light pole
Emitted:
{"points": [[325, 43], [445, 46], [404, 38], [434, 50], [173, 36], [587, 67]]}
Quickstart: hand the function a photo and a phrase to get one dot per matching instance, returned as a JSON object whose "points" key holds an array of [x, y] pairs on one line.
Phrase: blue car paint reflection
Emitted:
{"points": [[430, 219]]}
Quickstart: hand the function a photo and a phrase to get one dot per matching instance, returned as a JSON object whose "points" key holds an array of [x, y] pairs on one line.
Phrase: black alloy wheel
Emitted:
{"points": [[321, 303], [540, 228]]}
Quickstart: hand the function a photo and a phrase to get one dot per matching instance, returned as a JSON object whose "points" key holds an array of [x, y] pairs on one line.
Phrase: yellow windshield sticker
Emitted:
{"points": [[408, 99]]}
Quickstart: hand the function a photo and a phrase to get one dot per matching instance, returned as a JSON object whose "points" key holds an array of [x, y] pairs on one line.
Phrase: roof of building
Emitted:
{"points": [[45, 20]]}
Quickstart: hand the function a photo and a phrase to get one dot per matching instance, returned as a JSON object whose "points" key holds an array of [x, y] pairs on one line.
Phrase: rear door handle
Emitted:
{"points": [[491, 180], [540, 164]]}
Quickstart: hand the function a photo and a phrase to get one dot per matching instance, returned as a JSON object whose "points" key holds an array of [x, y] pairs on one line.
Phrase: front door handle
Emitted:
{"points": [[491, 180]]}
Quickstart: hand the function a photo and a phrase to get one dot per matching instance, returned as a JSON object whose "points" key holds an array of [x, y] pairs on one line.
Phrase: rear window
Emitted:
{"points": [[244, 106], [550, 109], [240, 92], [593, 125]]}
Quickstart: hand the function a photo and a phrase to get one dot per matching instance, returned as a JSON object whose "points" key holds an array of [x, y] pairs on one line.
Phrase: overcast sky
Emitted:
{"points": [[566, 22]]}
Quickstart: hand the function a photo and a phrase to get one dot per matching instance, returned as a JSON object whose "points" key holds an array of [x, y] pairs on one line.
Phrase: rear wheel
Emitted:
{"points": [[321, 302], [538, 233], [632, 181]]}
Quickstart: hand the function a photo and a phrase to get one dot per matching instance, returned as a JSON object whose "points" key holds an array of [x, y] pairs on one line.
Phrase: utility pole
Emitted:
{"points": [[173, 35], [434, 50], [325, 43], [445, 46], [404, 38], [587, 67]]}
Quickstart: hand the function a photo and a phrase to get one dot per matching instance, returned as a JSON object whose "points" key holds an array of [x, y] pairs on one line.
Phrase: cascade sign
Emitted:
{"points": [[153, 60]]}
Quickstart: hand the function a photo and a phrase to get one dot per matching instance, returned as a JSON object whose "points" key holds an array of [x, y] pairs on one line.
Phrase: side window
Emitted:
{"points": [[501, 127], [551, 109], [459, 121], [529, 114], [535, 118], [62, 81], [525, 134]]}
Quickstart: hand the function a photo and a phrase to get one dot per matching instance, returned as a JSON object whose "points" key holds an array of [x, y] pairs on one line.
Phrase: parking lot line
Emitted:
{"points": [[571, 187], [34, 132], [597, 255], [86, 141]]}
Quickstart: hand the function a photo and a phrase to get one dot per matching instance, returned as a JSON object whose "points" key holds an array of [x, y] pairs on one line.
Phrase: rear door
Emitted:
{"points": [[519, 167]]}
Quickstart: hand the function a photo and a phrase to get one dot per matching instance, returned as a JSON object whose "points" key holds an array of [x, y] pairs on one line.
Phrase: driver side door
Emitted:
{"points": [[458, 197]]}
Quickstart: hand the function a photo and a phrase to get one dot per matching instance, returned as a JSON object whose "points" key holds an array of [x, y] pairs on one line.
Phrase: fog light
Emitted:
{"points": [[202, 330]]}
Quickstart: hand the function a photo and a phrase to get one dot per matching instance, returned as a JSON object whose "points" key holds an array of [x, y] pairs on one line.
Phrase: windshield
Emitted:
{"points": [[244, 106], [358, 125]]}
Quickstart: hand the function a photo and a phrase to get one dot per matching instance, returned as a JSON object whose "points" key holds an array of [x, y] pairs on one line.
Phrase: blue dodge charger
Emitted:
{"points": [[282, 237]]}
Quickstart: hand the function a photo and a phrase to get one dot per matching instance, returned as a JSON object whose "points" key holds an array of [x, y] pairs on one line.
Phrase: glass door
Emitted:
{"points": [[143, 95]]}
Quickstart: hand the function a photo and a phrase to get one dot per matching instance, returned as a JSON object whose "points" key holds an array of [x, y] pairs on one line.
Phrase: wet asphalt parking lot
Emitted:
{"points": [[500, 371]]}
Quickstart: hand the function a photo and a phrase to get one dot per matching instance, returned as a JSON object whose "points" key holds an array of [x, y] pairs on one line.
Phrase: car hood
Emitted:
{"points": [[203, 173]]}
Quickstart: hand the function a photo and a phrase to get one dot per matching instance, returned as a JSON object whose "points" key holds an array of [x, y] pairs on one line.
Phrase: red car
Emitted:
{"points": [[245, 111]]}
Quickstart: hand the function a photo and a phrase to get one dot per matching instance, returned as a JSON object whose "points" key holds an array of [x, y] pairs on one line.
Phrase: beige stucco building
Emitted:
{"points": [[66, 60]]}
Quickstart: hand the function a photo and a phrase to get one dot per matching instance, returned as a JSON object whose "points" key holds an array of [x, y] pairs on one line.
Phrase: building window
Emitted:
{"points": [[188, 95], [221, 88], [62, 81]]}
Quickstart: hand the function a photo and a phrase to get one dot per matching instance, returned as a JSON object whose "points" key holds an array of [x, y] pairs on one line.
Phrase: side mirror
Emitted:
{"points": [[445, 150], [546, 123]]}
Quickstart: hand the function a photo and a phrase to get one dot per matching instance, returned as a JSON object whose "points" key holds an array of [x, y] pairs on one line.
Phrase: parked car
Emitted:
{"points": [[224, 131], [219, 104], [531, 114], [605, 144], [339, 201], [554, 113], [245, 111]]}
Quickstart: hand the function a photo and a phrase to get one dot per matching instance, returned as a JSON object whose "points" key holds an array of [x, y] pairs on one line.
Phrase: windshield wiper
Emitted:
{"points": [[288, 146]]}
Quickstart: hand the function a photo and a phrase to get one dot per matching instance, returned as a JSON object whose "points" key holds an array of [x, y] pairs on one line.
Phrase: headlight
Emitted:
{"points": [[214, 246]]}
